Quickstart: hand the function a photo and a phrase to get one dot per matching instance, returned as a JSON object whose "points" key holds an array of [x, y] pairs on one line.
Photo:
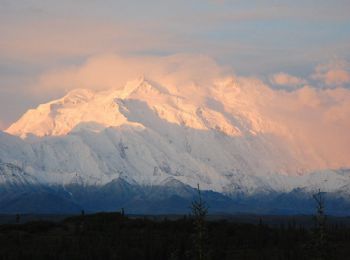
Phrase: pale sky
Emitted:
{"points": [[284, 43]]}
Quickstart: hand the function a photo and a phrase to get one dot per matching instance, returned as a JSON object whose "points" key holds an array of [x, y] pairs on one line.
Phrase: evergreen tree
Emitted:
{"points": [[199, 212], [320, 228]]}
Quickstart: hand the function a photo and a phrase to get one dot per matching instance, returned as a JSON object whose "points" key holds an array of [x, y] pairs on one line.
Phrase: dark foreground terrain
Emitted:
{"points": [[114, 236]]}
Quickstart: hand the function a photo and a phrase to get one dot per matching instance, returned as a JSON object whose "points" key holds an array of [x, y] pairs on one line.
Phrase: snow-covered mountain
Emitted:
{"points": [[146, 142]]}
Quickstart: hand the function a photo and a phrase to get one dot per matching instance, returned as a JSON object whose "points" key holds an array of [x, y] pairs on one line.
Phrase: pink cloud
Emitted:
{"points": [[284, 79], [113, 71], [337, 77], [318, 118], [335, 73]]}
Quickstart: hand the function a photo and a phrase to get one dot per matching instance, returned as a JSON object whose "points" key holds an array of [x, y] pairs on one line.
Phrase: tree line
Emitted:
{"points": [[116, 235]]}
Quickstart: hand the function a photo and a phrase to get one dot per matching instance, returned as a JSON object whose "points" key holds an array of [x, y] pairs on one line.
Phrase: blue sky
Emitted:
{"points": [[255, 37]]}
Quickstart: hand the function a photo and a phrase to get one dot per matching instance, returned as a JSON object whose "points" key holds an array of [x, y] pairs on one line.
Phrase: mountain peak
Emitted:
{"points": [[78, 94]]}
